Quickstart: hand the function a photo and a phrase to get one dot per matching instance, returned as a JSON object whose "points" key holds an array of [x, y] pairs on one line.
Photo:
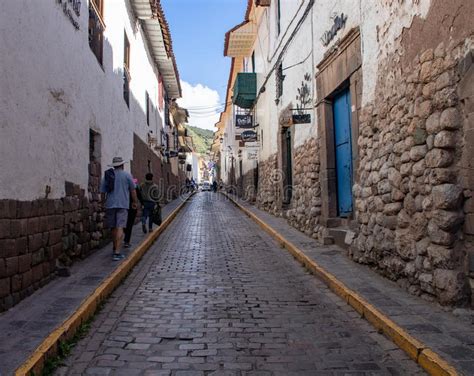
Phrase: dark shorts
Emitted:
{"points": [[116, 218]]}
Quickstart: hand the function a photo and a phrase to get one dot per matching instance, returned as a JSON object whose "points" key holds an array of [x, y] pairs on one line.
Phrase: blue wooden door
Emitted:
{"points": [[343, 146]]}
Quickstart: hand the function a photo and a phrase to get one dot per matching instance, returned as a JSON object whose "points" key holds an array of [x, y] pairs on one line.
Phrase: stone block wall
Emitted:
{"points": [[269, 195], [306, 201], [248, 191], [38, 236], [409, 198]]}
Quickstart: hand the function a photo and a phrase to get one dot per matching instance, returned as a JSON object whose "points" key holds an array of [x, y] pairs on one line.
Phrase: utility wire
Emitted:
{"points": [[207, 106], [285, 48]]}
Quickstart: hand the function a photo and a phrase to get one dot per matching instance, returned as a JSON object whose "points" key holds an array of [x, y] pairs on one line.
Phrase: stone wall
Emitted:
{"points": [[269, 196], [38, 236], [409, 199], [246, 186], [306, 201]]}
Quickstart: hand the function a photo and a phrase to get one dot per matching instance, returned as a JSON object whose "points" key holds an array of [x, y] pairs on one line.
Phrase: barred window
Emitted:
{"points": [[147, 107], [279, 77]]}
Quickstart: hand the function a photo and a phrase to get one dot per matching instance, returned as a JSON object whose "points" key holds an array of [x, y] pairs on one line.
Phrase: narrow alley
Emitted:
{"points": [[217, 296], [237, 187]]}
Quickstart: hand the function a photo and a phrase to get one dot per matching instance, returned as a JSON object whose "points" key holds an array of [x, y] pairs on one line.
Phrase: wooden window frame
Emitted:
{"points": [[126, 69], [147, 107], [96, 41]]}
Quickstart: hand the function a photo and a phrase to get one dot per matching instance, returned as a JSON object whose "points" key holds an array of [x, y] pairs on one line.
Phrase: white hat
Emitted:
{"points": [[117, 161]]}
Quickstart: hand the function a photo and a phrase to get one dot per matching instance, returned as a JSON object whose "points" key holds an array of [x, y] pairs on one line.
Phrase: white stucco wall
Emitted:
{"points": [[53, 90], [390, 18], [381, 24]]}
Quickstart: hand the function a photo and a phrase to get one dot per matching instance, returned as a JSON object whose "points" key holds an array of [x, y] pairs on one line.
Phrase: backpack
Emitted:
{"points": [[109, 180]]}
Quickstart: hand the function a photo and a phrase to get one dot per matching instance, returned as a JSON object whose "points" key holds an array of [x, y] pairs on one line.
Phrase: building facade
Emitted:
{"points": [[82, 82], [364, 121]]}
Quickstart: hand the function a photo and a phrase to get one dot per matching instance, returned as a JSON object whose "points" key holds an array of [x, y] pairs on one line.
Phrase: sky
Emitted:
{"points": [[198, 29]]}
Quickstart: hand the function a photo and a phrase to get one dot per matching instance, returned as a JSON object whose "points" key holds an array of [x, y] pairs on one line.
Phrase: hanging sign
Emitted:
{"points": [[244, 121], [339, 23], [252, 145], [301, 118], [248, 136]]}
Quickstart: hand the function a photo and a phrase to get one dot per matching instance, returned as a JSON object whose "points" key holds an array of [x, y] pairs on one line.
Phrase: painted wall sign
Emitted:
{"points": [[244, 121], [339, 23], [252, 155], [248, 136], [72, 10]]}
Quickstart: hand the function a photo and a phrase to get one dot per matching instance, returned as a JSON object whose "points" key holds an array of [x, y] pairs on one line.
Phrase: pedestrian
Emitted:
{"points": [[188, 185], [118, 186], [150, 196], [214, 186], [132, 214]]}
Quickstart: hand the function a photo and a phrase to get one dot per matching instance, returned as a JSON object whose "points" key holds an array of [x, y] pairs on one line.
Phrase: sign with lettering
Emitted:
{"points": [[301, 118], [339, 23], [248, 136], [244, 121], [72, 10], [252, 154], [252, 145]]}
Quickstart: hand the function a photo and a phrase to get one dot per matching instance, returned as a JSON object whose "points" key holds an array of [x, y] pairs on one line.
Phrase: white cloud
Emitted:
{"points": [[203, 105]]}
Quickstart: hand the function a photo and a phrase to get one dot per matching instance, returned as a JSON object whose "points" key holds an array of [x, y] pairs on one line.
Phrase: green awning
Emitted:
{"points": [[245, 90]]}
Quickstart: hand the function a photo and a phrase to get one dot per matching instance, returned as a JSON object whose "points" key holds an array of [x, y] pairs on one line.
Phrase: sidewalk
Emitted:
{"points": [[26, 325], [451, 335]]}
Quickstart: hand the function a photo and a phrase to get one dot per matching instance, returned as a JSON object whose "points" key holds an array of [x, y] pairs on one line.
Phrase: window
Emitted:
{"points": [[278, 16], [253, 61], [279, 77], [147, 105], [167, 110], [126, 69], [96, 28]]}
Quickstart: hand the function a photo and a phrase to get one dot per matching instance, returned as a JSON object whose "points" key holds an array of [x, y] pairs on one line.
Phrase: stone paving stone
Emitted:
{"points": [[219, 297]]}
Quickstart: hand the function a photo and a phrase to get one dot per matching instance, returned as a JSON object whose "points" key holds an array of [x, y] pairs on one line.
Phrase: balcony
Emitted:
{"points": [[245, 90]]}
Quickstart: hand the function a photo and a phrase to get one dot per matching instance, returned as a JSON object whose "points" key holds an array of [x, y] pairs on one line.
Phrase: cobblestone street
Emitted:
{"points": [[216, 296]]}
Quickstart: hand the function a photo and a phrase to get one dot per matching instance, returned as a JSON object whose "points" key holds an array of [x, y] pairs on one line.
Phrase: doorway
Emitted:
{"points": [[343, 151], [287, 168]]}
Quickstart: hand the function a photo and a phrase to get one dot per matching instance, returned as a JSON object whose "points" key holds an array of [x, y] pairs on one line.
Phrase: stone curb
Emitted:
{"points": [[48, 348], [433, 363]]}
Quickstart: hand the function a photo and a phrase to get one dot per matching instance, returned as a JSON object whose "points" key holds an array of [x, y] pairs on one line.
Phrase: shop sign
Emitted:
{"points": [[248, 136], [301, 118], [339, 23], [252, 145], [244, 121], [252, 154]]}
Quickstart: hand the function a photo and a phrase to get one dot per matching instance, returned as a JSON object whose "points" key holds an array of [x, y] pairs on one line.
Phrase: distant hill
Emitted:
{"points": [[202, 138]]}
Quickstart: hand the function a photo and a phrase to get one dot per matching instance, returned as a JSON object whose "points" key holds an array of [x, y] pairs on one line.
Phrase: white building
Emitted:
{"points": [[81, 82], [363, 112]]}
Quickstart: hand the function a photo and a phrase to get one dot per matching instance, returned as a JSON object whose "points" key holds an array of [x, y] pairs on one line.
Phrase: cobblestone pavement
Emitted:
{"points": [[216, 296]]}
